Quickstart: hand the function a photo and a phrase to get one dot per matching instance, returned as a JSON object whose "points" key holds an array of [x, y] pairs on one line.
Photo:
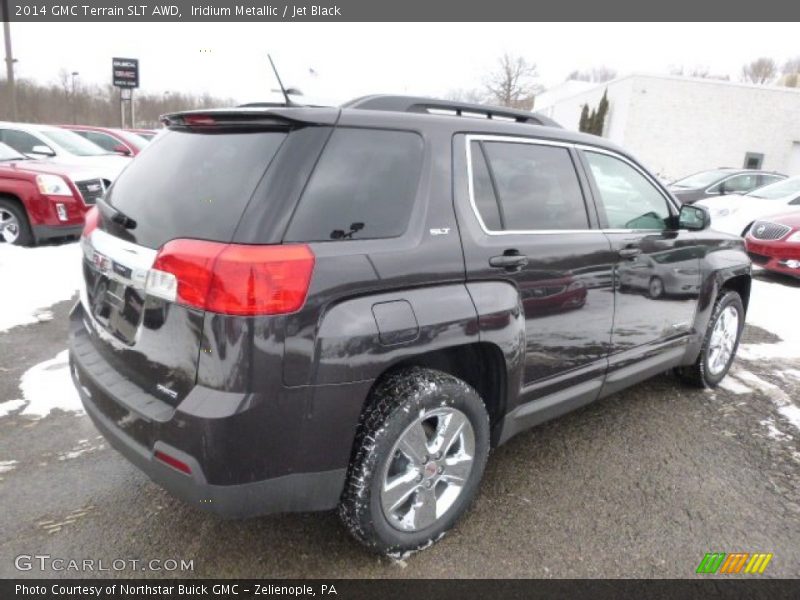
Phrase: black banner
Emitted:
{"points": [[406, 10], [392, 589]]}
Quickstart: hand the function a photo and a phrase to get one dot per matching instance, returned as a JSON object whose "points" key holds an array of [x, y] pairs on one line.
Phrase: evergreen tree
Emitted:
{"points": [[583, 124], [602, 111], [590, 122]]}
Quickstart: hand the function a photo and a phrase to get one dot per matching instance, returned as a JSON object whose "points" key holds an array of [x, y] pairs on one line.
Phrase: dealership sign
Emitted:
{"points": [[125, 72]]}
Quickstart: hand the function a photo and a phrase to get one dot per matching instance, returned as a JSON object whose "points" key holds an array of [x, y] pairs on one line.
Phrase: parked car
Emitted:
{"points": [[64, 147], [147, 134], [293, 309], [720, 182], [119, 141], [41, 200], [735, 214], [774, 244]]}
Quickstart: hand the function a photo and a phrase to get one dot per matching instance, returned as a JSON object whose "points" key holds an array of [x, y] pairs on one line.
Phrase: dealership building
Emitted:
{"points": [[680, 125]]}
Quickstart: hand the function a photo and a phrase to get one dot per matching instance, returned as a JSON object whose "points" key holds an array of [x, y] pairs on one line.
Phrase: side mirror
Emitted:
{"points": [[694, 218], [124, 150], [43, 150]]}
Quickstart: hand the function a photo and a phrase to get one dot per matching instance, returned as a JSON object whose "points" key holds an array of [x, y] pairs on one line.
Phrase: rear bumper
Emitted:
{"points": [[138, 425], [295, 492]]}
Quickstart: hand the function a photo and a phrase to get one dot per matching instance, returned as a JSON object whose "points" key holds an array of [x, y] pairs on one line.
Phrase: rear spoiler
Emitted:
{"points": [[250, 117]]}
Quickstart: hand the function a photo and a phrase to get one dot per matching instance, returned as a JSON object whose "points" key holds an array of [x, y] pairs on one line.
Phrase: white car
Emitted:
{"points": [[735, 213], [63, 147]]}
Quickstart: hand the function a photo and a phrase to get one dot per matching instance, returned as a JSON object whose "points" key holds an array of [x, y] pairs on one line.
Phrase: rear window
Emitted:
{"points": [[363, 187], [193, 185]]}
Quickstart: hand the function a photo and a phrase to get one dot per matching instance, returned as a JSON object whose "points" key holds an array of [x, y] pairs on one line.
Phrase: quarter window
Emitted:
{"points": [[627, 198], [363, 187], [521, 186]]}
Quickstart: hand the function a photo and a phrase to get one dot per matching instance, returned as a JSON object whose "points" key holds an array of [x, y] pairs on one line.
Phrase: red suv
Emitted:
{"points": [[121, 141], [41, 200]]}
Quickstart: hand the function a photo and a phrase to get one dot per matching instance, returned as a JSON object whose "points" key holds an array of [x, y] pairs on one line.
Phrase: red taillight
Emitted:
{"points": [[90, 221], [231, 278], [173, 462]]}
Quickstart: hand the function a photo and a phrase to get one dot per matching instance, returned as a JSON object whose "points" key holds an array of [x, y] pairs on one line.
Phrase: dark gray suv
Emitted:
{"points": [[294, 309]]}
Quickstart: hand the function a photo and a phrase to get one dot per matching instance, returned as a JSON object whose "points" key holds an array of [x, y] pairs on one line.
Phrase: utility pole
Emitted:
{"points": [[74, 104], [12, 92]]}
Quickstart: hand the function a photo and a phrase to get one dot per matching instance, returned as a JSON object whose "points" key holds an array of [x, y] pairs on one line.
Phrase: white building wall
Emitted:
{"points": [[677, 126]]}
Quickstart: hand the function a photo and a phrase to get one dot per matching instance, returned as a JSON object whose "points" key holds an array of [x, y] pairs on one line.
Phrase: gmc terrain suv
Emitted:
{"points": [[293, 308]]}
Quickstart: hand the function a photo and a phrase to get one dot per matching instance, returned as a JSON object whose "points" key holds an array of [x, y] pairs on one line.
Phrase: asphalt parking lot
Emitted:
{"points": [[641, 484]]}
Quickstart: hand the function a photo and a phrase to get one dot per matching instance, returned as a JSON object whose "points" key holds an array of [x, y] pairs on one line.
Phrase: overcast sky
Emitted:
{"points": [[354, 59]]}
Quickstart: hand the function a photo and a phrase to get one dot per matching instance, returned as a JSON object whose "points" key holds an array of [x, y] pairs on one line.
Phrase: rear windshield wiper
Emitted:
{"points": [[115, 215]]}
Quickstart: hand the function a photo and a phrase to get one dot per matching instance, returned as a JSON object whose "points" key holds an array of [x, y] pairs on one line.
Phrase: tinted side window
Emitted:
{"points": [[363, 187], [106, 142], [537, 187], [740, 183], [483, 189], [628, 199], [20, 141]]}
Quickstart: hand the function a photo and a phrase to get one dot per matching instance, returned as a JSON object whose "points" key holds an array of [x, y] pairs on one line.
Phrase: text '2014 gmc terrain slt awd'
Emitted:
{"points": [[293, 308]]}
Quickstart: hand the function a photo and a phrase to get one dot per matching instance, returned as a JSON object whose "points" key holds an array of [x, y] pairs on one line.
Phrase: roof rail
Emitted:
{"points": [[437, 106]]}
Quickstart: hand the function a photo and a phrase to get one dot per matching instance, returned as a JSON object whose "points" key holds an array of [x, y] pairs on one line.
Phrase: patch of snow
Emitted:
{"points": [[734, 386], [774, 432], [771, 306], [48, 386], [7, 465], [57, 277], [9, 406], [83, 447], [784, 404]]}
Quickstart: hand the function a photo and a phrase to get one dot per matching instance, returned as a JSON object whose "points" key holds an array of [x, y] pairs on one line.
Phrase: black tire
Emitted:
{"points": [[698, 374], [24, 236], [394, 405], [655, 288]]}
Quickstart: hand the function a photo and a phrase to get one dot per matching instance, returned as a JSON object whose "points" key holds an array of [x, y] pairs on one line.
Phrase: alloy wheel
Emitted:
{"points": [[428, 467]]}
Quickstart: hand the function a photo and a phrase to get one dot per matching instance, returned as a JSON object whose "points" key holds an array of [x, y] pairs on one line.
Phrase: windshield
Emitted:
{"points": [[73, 143], [699, 180], [776, 191], [193, 184], [8, 153], [134, 139]]}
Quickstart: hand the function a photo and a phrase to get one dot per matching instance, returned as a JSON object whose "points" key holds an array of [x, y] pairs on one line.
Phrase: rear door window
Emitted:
{"points": [[193, 184], [363, 187], [534, 187]]}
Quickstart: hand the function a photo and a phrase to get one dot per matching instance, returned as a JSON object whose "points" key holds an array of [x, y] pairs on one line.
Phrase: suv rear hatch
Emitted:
{"points": [[152, 259]]}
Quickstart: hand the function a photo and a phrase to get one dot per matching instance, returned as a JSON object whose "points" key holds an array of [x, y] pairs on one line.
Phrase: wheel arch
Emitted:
{"points": [[482, 365]]}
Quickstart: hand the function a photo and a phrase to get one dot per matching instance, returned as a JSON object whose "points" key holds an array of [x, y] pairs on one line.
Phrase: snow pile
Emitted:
{"points": [[775, 307], [46, 387], [35, 279]]}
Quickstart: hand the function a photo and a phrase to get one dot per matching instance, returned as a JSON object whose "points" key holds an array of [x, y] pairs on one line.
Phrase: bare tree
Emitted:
{"points": [[760, 71], [471, 96], [698, 72], [594, 75], [513, 84], [791, 73], [94, 104]]}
